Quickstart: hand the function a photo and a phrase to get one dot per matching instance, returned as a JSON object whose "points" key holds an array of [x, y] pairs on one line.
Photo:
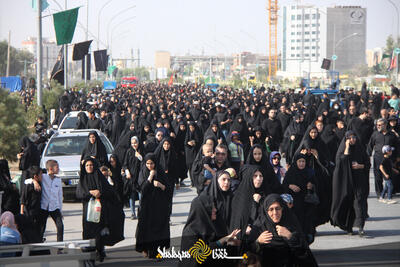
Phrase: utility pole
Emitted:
{"points": [[39, 54], [8, 54], [138, 56], [65, 59], [86, 57]]}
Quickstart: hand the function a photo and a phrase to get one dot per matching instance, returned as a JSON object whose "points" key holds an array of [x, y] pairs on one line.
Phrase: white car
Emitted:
{"points": [[66, 148], [69, 121]]}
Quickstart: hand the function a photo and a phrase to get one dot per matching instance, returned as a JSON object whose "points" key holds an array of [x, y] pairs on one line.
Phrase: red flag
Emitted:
{"points": [[171, 80], [393, 63]]}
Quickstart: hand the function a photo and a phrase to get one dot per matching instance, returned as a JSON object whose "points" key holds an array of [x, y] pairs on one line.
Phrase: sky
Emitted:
{"points": [[178, 26]]}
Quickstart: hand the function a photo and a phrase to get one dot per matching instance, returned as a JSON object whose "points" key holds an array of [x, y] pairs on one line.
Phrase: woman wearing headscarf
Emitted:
{"points": [[215, 131], [350, 185], [95, 149], [133, 161], [9, 234], [116, 177], [179, 145], [93, 184], [10, 199], [277, 237], [298, 182], [275, 161], [29, 156], [259, 158], [125, 142], [292, 137], [209, 220], [153, 229], [239, 125], [167, 159], [192, 145], [247, 200], [82, 121]]}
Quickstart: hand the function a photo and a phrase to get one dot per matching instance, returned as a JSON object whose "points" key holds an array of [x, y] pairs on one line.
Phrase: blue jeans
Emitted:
{"points": [[387, 187], [225, 133], [132, 203]]}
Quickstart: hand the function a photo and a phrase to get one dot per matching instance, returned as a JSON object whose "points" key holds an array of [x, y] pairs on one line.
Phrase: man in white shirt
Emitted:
{"points": [[52, 197]]}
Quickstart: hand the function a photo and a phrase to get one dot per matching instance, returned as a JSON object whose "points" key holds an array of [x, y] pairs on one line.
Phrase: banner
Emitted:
{"points": [[171, 80], [80, 50], [64, 25], [393, 62], [58, 69], [100, 60]]}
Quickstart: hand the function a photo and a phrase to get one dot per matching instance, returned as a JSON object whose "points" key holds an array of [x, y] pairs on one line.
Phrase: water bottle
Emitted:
{"points": [[97, 211]]}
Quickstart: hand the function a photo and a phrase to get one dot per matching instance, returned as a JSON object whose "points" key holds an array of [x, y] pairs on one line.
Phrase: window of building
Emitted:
{"points": [[313, 47], [293, 17], [313, 55], [314, 32], [313, 25], [306, 25], [293, 7], [292, 55], [313, 40], [292, 33], [307, 16], [306, 40], [293, 26], [306, 47], [298, 33], [314, 16], [292, 40], [306, 55], [306, 33], [298, 40], [292, 47], [298, 17], [297, 55]]}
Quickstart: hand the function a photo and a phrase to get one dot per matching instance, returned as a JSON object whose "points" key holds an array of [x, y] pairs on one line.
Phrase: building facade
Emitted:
{"points": [[311, 34]]}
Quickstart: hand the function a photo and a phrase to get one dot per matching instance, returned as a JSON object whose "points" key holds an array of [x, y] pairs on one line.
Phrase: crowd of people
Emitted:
{"points": [[268, 167]]}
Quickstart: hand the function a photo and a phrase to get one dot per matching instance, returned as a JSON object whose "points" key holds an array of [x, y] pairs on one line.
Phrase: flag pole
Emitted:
{"points": [[39, 54], [65, 60]]}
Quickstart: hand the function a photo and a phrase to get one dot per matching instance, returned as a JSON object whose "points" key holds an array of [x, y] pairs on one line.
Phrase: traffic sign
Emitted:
{"points": [[334, 57], [397, 50]]}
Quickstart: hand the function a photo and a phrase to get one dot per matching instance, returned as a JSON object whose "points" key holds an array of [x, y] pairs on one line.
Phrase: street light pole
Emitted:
{"points": [[341, 40], [98, 22], [65, 59], [39, 54]]}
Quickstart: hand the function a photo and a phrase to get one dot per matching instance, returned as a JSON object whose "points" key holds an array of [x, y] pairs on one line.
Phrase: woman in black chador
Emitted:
{"points": [[350, 185], [209, 220], [109, 230], [277, 237], [95, 149], [29, 156], [153, 225]]}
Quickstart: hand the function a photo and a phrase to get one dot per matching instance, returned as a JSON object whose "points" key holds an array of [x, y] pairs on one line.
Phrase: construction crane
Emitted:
{"points": [[272, 37]]}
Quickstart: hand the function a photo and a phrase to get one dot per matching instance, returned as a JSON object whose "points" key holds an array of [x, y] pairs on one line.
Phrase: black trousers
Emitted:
{"points": [[57, 218]]}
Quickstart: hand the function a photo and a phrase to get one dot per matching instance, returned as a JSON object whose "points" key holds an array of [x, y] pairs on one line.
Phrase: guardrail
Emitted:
{"points": [[79, 253]]}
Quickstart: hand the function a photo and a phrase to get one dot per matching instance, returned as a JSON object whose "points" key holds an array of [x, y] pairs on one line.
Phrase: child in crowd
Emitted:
{"points": [[30, 199], [388, 172], [234, 179], [236, 150], [208, 161]]}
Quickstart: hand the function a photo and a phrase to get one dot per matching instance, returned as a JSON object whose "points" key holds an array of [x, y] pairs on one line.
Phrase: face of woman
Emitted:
{"points": [[257, 179], [191, 128], [224, 182], [320, 127], [257, 154], [150, 165], [166, 145], [214, 128], [92, 138], [89, 166], [132, 127], [113, 162], [258, 134], [276, 159], [182, 127], [134, 144], [313, 133], [275, 212], [301, 163]]}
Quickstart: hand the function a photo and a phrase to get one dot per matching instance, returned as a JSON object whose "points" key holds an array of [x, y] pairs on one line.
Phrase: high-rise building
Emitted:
{"points": [[311, 34], [49, 51]]}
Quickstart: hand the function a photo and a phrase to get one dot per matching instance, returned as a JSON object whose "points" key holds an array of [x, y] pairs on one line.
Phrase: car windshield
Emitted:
{"points": [[69, 123], [71, 145]]}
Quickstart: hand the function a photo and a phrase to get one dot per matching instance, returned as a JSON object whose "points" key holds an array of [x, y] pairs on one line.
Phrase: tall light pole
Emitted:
{"points": [[98, 22], [112, 19], [338, 42], [115, 27], [398, 34], [39, 54], [65, 59]]}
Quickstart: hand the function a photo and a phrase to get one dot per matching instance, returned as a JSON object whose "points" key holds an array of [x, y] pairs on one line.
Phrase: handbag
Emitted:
{"points": [[311, 198], [93, 210]]}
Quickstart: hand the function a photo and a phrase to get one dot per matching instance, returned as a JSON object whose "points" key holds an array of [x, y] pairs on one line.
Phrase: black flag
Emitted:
{"points": [[58, 69], [101, 60], [88, 58], [80, 50]]}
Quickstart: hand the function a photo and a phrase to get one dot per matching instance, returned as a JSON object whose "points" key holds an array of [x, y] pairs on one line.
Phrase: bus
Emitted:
{"points": [[129, 82]]}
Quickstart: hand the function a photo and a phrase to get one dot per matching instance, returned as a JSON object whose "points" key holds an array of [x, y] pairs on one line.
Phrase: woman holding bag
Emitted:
{"points": [[93, 184]]}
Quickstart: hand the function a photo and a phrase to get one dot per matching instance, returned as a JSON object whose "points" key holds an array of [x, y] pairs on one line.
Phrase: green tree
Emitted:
{"points": [[12, 124], [17, 58]]}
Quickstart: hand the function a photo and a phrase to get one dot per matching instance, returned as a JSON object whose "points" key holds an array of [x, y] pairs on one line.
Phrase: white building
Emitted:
{"points": [[303, 41], [49, 54]]}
